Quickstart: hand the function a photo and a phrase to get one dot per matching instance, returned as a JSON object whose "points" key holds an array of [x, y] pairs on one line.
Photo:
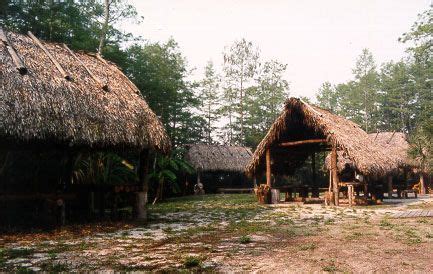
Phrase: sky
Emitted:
{"points": [[318, 40]]}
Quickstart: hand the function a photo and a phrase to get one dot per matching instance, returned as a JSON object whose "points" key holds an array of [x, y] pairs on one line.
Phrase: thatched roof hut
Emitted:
{"points": [[213, 158], [393, 144], [302, 128], [53, 96]]}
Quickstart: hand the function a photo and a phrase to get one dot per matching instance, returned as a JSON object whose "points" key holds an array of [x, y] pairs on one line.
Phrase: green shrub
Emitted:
{"points": [[245, 239], [192, 261], [309, 246]]}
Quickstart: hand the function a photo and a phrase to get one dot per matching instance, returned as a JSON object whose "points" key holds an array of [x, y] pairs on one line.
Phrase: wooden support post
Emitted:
{"points": [[389, 183], [335, 186], [365, 188], [350, 194], [198, 178], [314, 189], [268, 167]]}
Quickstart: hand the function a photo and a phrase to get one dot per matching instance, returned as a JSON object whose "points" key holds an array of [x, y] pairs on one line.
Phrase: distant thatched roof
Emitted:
{"points": [[301, 121], [42, 106], [218, 158]]}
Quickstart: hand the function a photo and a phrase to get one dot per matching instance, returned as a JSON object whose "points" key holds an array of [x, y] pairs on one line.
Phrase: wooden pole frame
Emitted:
{"points": [[302, 142], [51, 57], [389, 183], [104, 86], [19, 64], [268, 167], [335, 179]]}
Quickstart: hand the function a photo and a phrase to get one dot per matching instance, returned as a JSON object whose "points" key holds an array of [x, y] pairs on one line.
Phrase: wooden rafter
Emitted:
{"points": [[19, 64], [53, 60], [104, 86], [302, 142]]}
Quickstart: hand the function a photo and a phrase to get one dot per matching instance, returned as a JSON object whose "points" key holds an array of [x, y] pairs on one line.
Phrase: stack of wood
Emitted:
{"points": [[263, 193]]}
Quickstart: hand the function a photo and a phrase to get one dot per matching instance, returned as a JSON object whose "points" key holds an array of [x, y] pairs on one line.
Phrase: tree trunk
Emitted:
{"points": [[142, 196], [209, 141], [104, 26], [158, 195], [242, 112]]}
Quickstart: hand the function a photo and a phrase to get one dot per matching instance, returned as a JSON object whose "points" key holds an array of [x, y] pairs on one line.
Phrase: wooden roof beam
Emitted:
{"points": [[104, 86], [302, 142], [19, 64], [53, 60]]}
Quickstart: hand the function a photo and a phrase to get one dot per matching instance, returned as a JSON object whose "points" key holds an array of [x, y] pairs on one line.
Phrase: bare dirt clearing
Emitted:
{"points": [[234, 233]]}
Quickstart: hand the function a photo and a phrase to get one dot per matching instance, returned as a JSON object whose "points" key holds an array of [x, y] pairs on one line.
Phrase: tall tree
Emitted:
{"points": [[265, 100], [397, 97], [160, 72], [210, 98], [83, 25], [115, 11], [240, 65], [367, 80], [327, 97]]}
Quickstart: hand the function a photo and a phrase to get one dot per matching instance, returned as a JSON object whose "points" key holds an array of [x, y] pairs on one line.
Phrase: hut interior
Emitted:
{"points": [[63, 114], [220, 168], [300, 133]]}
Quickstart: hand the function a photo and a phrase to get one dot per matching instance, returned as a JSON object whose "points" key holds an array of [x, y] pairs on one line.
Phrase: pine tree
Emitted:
{"points": [[210, 100], [240, 65]]}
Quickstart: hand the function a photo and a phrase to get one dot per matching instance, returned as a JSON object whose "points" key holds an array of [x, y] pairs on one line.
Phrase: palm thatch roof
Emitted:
{"points": [[301, 121], [51, 95], [393, 144], [218, 158]]}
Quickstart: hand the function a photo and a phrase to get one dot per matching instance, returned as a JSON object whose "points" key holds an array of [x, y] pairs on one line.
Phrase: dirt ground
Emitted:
{"points": [[232, 233]]}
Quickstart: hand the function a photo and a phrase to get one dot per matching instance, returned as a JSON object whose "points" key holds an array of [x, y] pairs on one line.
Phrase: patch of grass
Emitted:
{"points": [[60, 248], [23, 270], [284, 221], [54, 267], [191, 262], [309, 246], [52, 255], [354, 236], [245, 227], [412, 237], [245, 239], [13, 253], [2, 257], [329, 221], [330, 268], [423, 221], [386, 224], [125, 234]]}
